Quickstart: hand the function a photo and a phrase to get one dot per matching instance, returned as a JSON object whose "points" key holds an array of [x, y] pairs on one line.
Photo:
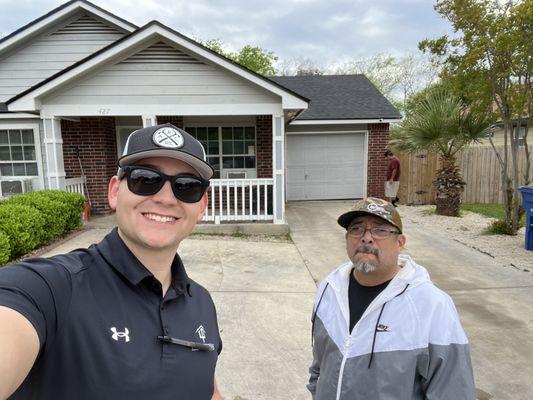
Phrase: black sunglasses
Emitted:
{"points": [[146, 181]]}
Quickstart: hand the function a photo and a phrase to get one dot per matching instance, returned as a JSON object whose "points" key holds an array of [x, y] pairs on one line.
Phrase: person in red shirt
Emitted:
{"points": [[392, 184]]}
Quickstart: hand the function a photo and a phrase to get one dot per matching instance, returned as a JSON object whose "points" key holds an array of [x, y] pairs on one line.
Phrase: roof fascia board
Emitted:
{"points": [[58, 14], [9, 115], [152, 30], [344, 121]]}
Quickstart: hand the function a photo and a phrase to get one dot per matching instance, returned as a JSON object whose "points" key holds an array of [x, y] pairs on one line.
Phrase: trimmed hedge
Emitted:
{"points": [[54, 212], [5, 248], [75, 203], [30, 220], [24, 226]]}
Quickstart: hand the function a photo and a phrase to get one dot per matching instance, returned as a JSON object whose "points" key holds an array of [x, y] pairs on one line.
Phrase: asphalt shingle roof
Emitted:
{"points": [[339, 97]]}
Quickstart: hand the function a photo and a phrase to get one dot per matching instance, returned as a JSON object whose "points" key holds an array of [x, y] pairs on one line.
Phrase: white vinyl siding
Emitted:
{"points": [[53, 51], [161, 74]]}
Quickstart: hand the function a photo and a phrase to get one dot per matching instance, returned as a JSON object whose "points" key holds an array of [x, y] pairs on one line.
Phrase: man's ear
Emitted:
{"points": [[112, 192], [401, 241], [204, 206]]}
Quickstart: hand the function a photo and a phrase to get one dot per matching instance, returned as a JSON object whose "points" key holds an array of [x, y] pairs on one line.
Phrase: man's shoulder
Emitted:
{"points": [[55, 267], [429, 299]]}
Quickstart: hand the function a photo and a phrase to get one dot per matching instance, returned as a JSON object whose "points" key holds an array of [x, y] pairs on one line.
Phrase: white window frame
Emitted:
{"points": [[37, 142], [250, 172]]}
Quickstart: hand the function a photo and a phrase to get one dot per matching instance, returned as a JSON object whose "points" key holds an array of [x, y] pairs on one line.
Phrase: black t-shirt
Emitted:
{"points": [[360, 297], [98, 313]]}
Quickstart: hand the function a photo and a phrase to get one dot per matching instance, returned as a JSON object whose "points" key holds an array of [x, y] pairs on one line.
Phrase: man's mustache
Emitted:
{"points": [[367, 250]]}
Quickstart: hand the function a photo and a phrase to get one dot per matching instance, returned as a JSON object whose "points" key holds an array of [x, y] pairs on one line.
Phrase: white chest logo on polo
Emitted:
{"points": [[168, 137], [117, 335], [201, 332]]}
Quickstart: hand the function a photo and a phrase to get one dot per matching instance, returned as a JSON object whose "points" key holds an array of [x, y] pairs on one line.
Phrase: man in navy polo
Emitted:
{"points": [[120, 320]]}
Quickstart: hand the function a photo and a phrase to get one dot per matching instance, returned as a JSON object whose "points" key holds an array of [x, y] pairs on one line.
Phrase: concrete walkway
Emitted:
{"points": [[264, 292]]}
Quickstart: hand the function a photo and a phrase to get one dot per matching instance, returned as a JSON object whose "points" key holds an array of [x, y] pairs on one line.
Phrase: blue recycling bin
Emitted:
{"points": [[527, 201]]}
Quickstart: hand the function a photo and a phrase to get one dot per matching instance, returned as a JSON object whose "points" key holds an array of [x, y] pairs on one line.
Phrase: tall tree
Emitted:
{"points": [[252, 57], [397, 78], [489, 64], [300, 67], [439, 122]]}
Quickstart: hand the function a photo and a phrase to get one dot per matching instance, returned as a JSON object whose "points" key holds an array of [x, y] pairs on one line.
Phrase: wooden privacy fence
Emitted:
{"points": [[479, 166]]}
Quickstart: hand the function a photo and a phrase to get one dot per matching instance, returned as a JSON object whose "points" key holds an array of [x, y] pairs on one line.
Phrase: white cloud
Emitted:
{"points": [[317, 30]]}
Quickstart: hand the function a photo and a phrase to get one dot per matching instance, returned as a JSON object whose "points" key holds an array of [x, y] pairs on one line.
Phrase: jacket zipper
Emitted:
{"points": [[348, 341]]}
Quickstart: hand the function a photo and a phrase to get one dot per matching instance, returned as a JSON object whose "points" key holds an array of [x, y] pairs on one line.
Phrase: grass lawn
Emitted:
{"points": [[489, 210]]}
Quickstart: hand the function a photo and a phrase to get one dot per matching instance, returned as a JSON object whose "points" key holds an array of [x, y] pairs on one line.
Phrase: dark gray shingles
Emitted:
{"points": [[339, 97]]}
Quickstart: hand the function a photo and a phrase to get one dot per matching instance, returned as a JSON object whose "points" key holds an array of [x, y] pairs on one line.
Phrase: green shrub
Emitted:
{"points": [[499, 227], [5, 248], [24, 226], [54, 212], [75, 203]]}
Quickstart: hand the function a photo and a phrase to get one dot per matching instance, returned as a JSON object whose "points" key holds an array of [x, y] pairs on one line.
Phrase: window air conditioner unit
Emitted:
{"points": [[15, 186], [237, 174]]}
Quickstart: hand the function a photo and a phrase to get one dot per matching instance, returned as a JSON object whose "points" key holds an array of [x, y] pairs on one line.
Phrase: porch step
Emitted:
{"points": [[242, 228]]}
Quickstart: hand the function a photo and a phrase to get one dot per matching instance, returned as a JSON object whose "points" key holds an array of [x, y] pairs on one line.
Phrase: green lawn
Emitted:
{"points": [[489, 210]]}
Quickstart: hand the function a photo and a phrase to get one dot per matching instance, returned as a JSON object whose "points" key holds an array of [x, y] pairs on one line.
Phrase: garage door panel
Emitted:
{"points": [[295, 175], [328, 166]]}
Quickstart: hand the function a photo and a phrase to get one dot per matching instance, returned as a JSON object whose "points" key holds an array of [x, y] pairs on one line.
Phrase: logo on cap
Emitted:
{"points": [[375, 208], [168, 137]]}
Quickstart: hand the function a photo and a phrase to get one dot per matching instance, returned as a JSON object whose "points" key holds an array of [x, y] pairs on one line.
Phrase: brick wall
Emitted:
{"points": [[378, 139], [95, 139], [172, 119], [263, 128]]}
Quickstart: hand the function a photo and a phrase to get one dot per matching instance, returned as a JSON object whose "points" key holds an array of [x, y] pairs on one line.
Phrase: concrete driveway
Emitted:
{"points": [[264, 292]]}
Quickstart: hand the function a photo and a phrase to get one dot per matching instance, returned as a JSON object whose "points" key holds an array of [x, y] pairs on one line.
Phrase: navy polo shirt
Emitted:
{"points": [[98, 313]]}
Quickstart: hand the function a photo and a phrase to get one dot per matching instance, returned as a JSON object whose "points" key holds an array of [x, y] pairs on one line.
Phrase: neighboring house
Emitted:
{"points": [[75, 82], [497, 134]]}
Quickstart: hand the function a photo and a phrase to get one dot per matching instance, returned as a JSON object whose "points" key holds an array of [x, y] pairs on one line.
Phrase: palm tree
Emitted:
{"points": [[441, 123]]}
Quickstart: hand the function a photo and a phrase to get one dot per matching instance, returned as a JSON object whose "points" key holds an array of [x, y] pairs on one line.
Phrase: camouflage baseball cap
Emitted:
{"points": [[372, 206]]}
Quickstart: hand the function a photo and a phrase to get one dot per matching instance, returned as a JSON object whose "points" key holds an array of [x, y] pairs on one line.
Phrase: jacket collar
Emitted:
{"points": [[410, 273]]}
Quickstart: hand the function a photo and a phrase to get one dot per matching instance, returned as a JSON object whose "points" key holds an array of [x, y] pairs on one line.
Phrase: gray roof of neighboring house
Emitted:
{"points": [[339, 97]]}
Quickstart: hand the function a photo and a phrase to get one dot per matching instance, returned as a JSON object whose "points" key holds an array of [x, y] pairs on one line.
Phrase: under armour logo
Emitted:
{"points": [[383, 328], [201, 333], [122, 335]]}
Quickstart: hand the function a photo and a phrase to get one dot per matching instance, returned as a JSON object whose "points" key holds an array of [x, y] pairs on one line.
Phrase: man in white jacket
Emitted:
{"points": [[381, 329]]}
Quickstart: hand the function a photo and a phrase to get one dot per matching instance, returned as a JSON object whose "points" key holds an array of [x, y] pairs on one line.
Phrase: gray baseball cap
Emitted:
{"points": [[166, 140]]}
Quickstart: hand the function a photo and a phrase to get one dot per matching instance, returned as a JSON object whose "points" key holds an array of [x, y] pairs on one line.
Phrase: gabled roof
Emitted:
{"points": [[340, 97], [154, 29], [59, 13]]}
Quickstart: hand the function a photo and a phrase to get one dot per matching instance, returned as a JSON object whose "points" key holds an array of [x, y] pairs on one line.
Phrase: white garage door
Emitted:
{"points": [[325, 166]]}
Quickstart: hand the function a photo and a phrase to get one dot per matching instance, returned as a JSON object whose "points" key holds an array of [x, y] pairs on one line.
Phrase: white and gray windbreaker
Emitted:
{"points": [[409, 343]]}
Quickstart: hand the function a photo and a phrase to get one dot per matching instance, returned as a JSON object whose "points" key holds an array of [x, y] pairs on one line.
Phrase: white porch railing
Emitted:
{"points": [[239, 200], [75, 185]]}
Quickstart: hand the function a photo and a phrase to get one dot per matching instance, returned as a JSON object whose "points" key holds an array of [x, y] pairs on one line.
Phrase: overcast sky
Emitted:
{"points": [[324, 31]]}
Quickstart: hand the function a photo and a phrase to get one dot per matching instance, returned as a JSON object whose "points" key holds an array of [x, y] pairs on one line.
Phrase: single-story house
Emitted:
{"points": [[76, 81], [497, 133]]}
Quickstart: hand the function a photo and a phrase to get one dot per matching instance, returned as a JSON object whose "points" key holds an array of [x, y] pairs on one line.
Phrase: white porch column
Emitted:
{"points": [[149, 120], [278, 168], [53, 144]]}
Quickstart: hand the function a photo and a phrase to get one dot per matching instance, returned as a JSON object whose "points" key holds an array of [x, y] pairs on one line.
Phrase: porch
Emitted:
{"points": [[234, 200], [239, 148]]}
